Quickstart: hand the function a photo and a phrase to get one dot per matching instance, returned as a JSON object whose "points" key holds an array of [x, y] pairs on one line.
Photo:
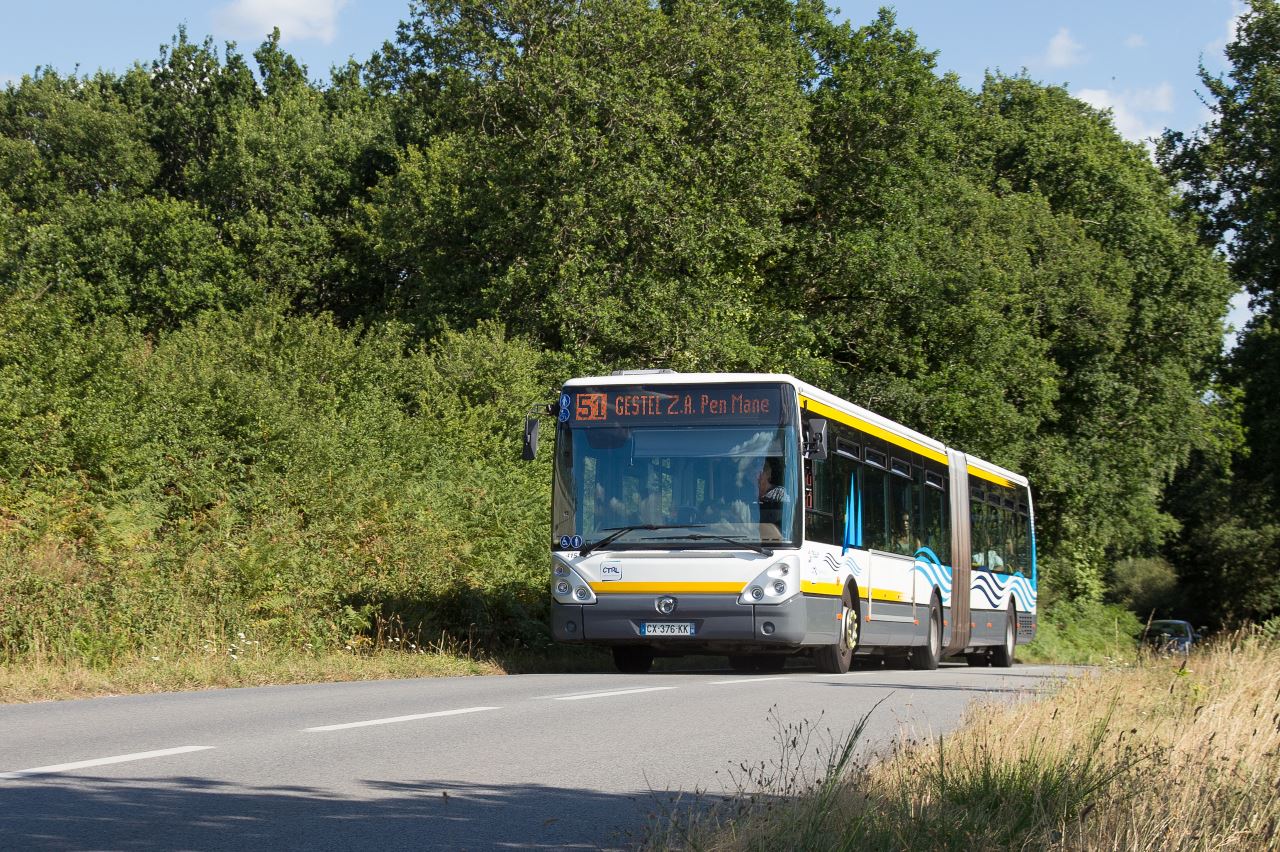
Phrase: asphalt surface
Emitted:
{"points": [[526, 761]]}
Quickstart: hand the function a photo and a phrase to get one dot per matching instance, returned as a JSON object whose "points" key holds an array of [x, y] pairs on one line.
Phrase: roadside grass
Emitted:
{"points": [[244, 662], [1164, 754]]}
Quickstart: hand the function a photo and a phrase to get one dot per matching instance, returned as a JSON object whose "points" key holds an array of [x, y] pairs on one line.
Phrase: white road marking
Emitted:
{"points": [[748, 680], [610, 694], [101, 761], [394, 719]]}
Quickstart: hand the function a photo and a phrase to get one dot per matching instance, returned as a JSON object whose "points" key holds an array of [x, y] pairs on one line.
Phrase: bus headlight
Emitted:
{"points": [[567, 586], [777, 583]]}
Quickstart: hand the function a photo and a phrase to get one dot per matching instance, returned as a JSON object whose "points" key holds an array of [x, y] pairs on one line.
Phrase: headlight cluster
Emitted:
{"points": [[775, 585], [567, 587]]}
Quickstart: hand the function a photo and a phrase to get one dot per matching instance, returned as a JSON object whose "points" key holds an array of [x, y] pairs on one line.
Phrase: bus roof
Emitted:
{"points": [[818, 401]]}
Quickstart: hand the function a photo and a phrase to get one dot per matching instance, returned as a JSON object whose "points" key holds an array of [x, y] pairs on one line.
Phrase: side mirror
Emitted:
{"points": [[530, 439], [815, 439]]}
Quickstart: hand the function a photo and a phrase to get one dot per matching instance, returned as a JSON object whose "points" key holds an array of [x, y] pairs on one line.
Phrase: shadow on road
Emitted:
{"points": [[83, 812]]}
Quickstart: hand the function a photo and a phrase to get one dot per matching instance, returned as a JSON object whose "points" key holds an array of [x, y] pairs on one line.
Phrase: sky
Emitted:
{"points": [[1138, 58]]}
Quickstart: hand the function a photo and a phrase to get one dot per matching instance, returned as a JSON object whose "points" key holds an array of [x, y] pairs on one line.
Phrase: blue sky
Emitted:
{"points": [[1136, 57]]}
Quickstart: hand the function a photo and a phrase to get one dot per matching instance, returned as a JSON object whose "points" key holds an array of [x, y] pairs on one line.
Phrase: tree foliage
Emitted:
{"points": [[1230, 548], [267, 339]]}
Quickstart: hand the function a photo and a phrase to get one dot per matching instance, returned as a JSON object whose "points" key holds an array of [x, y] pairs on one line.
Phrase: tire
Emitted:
{"points": [[978, 660], [836, 657], [927, 656], [1002, 655], [631, 659]]}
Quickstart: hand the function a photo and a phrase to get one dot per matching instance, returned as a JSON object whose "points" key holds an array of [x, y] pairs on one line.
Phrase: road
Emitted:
{"points": [[527, 761]]}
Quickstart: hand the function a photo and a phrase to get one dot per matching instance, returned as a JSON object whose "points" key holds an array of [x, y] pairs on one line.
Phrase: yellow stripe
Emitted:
{"points": [[809, 587], [871, 429], [836, 589], [618, 588], [990, 477]]}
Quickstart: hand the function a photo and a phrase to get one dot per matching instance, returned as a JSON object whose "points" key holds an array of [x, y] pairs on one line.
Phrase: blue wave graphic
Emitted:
{"points": [[835, 564], [935, 573], [995, 603], [997, 588]]}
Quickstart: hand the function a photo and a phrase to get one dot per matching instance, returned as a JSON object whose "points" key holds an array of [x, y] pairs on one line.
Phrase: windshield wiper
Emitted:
{"points": [[736, 542], [618, 532]]}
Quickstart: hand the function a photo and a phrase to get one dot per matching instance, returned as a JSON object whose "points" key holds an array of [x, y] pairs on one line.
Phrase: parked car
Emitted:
{"points": [[1171, 636]]}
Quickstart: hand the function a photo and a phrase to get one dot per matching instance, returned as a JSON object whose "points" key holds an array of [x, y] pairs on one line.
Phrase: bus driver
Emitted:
{"points": [[772, 496]]}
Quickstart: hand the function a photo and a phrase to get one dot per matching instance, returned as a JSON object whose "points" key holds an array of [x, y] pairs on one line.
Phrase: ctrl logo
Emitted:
{"points": [[611, 571]]}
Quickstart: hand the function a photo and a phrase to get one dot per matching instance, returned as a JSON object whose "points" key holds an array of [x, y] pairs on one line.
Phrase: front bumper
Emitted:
{"points": [[720, 623]]}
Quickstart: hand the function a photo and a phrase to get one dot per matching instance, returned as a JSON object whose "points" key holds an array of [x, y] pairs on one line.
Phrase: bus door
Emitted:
{"points": [[851, 535]]}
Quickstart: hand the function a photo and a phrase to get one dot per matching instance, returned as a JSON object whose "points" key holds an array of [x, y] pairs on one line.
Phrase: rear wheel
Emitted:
{"points": [[835, 658], [928, 656], [1002, 656], [632, 659]]}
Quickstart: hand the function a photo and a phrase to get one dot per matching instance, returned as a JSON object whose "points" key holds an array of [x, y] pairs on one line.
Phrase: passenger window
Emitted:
{"points": [[875, 526], [818, 520], [903, 520], [935, 517]]}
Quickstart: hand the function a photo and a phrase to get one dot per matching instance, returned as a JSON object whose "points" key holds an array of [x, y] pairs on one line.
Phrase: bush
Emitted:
{"points": [[1084, 632], [276, 476]]}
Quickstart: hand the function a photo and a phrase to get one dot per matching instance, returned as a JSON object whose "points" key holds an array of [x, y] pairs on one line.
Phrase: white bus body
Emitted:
{"points": [[704, 513]]}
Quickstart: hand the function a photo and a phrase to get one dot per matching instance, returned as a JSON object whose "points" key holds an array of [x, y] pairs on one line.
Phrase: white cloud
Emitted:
{"points": [[1136, 40], [1214, 49], [298, 20], [1134, 111], [1063, 50]]}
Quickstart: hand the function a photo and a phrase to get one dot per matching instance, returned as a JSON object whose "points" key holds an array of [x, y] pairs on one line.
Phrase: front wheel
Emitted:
{"points": [[631, 659], [1002, 656], [836, 657], [929, 655]]}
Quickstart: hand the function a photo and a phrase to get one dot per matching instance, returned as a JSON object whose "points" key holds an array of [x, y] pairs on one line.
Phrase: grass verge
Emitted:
{"points": [[248, 663], [1165, 754]]}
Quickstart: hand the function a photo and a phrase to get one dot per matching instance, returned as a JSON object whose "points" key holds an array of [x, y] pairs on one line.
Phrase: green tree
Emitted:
{"points": [[1231, 550], [610, 176]]}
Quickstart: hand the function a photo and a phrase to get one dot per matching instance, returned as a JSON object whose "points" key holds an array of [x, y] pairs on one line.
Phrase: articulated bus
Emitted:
{"points": [[757, 516]]}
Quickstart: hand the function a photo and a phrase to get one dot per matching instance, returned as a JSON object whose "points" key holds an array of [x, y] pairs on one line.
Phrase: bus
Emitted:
{"points": [[759, 517]]}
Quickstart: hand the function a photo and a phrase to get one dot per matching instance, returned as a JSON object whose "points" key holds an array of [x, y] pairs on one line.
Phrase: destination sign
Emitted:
{"points": [[681, 403]]}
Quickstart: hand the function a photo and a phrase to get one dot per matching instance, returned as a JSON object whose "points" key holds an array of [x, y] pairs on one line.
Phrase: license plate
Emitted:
{"points": [[666, 628]]}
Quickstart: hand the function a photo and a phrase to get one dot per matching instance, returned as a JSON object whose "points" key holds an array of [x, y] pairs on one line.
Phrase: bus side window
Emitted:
{"points": [[841, 473], [935, 516], [818, 520], [979, 527], [903, 521], [875, 498]]}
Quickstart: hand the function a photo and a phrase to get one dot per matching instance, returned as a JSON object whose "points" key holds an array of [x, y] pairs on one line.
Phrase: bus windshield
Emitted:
{"points": [[701, 463]]}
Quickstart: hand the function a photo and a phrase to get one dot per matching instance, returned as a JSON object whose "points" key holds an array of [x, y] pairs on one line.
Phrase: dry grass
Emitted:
{"points": [[49, 680], [1164, 755]]}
